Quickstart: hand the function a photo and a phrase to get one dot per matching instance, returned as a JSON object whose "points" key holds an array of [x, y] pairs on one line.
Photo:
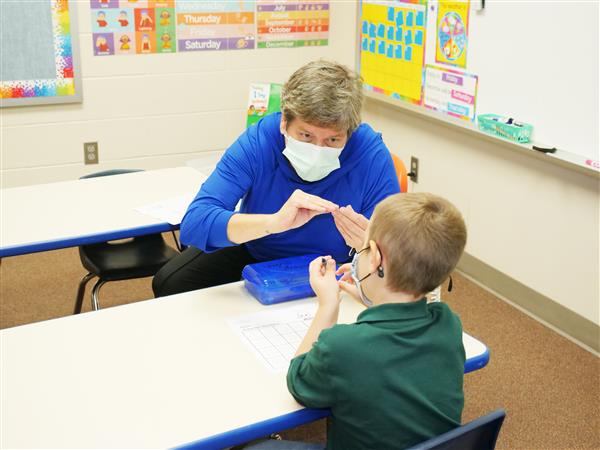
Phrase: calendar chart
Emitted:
{"points": [[298, 23], [215, 25]]}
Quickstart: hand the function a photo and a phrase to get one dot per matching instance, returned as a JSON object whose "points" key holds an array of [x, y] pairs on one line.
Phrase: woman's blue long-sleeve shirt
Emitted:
{"points": [[255, 170]]}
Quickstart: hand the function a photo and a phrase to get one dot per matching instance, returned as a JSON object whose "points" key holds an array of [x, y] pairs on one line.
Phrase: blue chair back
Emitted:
{"points": [[480, 434]]}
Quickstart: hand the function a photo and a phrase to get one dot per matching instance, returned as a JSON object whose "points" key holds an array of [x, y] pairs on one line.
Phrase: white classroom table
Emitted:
{"points": [[72, 213], [160, 373]]}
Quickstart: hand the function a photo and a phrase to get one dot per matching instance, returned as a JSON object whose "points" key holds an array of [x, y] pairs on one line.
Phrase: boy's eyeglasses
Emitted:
{"points": [[354, 268]]}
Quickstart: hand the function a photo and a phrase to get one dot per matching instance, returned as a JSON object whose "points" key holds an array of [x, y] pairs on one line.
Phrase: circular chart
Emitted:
{"points": [[452, 36]]}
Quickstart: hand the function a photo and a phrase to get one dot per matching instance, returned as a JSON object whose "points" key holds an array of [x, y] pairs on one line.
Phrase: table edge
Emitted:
{"points": [[75, 241]]}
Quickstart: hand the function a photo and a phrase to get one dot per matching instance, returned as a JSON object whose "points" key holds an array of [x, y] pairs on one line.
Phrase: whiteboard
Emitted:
{"points": [[536, 61]]}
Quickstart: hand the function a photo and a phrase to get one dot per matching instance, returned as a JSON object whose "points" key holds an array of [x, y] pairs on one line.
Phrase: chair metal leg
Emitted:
{"points": [[178, 244], [95, 292], [81, 291]]}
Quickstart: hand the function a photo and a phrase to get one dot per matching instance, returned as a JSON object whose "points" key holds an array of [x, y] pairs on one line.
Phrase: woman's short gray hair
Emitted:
{"points": [[325, 94]]}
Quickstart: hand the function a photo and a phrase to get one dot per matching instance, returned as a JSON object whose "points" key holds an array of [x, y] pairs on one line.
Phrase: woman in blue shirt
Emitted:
{"points": [[308, 179]]}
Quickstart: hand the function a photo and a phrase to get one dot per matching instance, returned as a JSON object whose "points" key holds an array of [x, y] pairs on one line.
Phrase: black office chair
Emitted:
{"points": [[137, 257], [480, 434]]}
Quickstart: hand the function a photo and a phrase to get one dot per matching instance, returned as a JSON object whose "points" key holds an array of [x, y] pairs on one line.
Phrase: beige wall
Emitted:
{"points": [[533, 221], [151, 111]]}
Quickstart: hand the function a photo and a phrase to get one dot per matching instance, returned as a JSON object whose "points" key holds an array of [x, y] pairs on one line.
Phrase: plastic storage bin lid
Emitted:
{"points": [[279, 280]]}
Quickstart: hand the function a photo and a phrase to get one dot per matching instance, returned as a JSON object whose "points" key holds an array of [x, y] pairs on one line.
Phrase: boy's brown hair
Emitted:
{"points": [[421, 237]]}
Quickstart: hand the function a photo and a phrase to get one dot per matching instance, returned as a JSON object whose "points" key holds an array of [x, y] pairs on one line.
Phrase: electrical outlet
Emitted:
{"points": [[90, 153], [414, 169]]}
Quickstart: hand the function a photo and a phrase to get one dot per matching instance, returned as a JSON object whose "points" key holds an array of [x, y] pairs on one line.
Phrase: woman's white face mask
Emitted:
{"points": [[311, 162]]}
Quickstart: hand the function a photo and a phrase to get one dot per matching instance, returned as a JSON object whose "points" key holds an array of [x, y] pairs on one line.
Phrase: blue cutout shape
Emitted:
{"points": [[365, 44], [408, 37], [390, 35], [420, 19], [399, 20], [398, 52], [372, 46], [419, 37], [372, 31], [365, 28], [390, 14], [390, 51], [408, 53], [381, 48], [399, 34], [381, 31], [409, 19]]}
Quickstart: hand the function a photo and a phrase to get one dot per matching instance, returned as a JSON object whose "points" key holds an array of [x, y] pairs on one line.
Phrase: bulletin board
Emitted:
{"points": [[39, 48], [393, 48], [536, 63]]}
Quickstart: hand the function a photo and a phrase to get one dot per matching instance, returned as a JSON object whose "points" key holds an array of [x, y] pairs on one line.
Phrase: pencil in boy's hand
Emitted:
{"points": [[323, 264]]}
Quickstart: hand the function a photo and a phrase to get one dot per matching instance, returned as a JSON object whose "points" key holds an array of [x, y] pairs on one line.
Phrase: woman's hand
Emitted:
{"points": [[299, 209], [346, 283], [351, 225], [295, 212], [323, 281]]}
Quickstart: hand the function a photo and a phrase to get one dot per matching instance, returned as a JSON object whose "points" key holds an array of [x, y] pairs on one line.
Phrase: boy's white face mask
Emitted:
{"points": [[311, 162], [354, 274]]}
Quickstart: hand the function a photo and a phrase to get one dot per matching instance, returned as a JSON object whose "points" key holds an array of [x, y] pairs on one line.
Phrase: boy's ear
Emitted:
{"points": [[374, 255]]}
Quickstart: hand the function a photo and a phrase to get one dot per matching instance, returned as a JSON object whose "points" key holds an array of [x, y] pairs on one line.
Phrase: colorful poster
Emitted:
{"points": [[452, 32], [264, 99], [166, 26], [292, 23], [125, 27], [215, 25], [55, 76], [166, 41], [393, 47], [451, 92]]}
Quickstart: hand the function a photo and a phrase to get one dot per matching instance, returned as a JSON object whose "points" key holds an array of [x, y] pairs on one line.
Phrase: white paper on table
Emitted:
{"points": [[170, 210], [274, 335]]}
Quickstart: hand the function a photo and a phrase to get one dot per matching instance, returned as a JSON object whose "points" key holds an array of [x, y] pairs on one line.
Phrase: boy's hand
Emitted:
{"points": [[323, 282], [346, 283], [351, 225]]}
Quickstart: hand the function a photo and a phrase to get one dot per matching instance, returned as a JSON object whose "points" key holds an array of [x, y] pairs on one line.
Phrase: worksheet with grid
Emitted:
{"points": [[274, 335]]}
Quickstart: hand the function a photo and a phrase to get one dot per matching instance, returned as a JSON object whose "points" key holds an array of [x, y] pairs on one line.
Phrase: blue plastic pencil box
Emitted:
{"points": [[279, 280]]}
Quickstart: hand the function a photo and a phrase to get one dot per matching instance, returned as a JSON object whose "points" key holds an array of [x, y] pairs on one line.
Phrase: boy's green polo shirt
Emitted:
{"points": [[392, 379]]}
